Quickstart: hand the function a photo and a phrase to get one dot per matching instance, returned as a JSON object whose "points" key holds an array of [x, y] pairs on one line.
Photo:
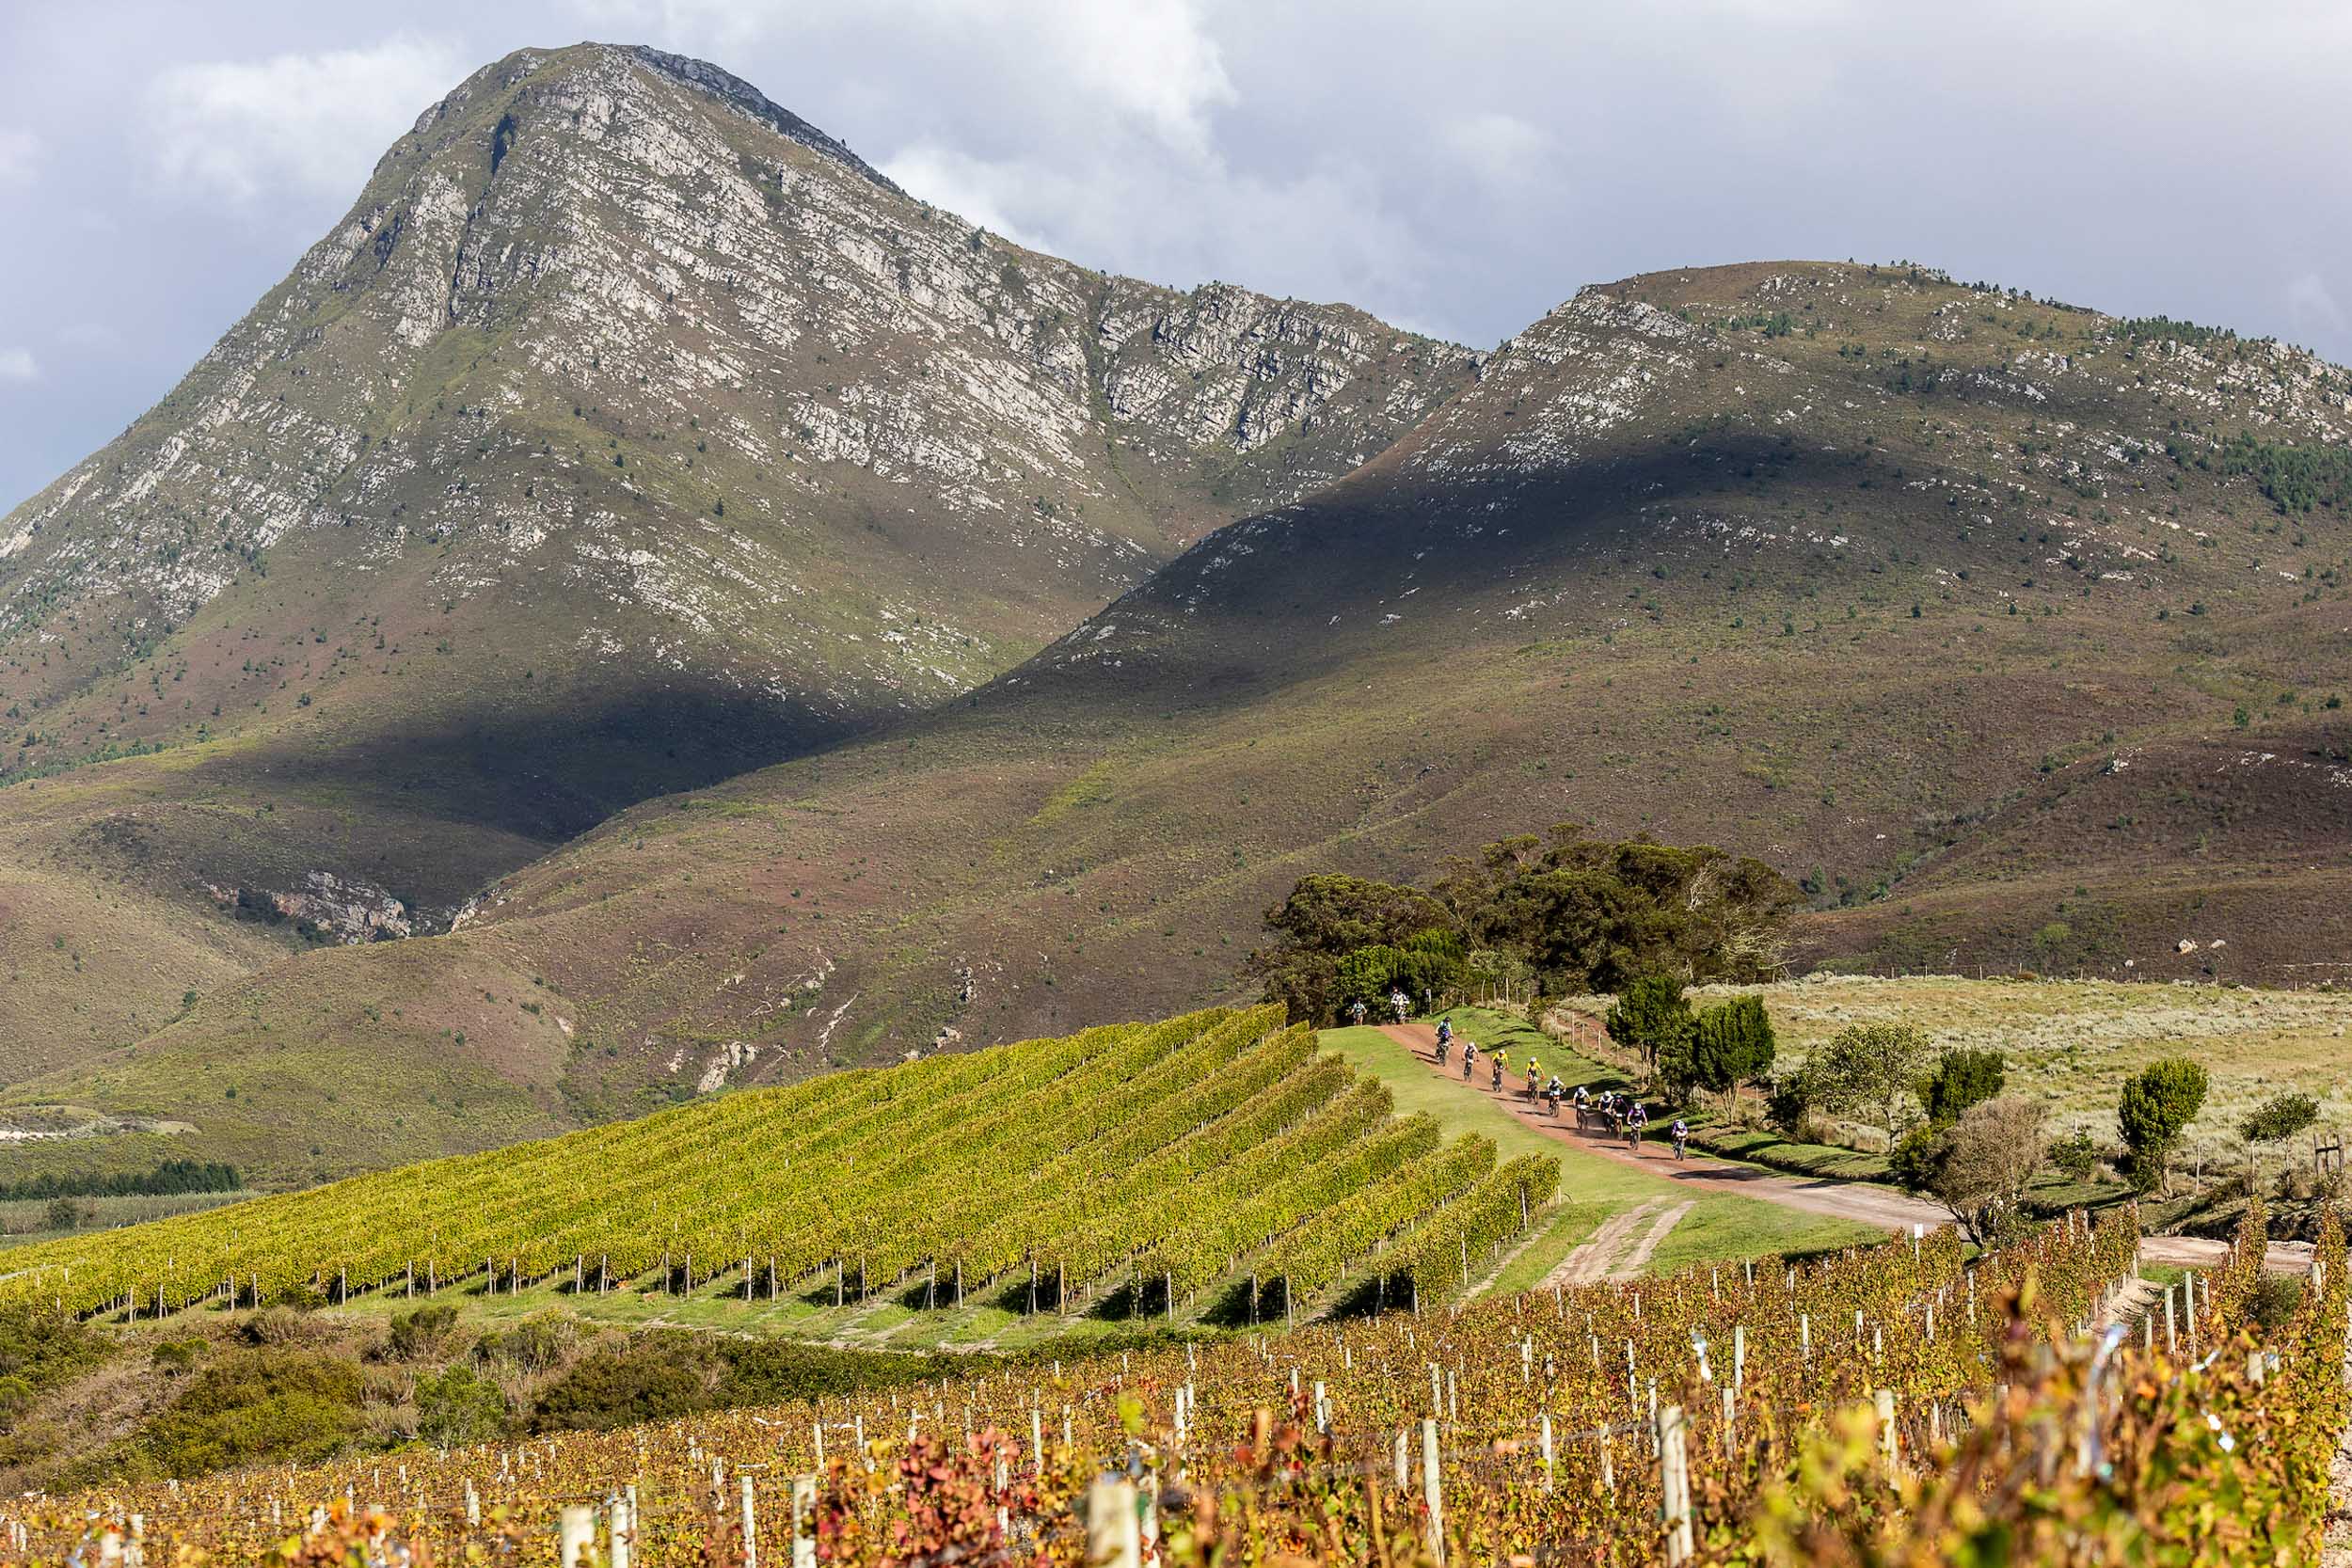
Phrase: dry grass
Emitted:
{"points": [[2073, 1042]]}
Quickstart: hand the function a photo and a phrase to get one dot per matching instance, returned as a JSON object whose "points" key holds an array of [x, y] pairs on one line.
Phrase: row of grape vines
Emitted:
{"points": [[1898, 1403], [1162, 1155]]}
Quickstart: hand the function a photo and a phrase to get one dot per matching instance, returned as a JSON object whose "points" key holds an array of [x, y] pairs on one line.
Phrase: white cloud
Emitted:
{"points": [[309, 126], [965, 186], [16, 364], [20, 150], [2312, 307], [1147, 65]]}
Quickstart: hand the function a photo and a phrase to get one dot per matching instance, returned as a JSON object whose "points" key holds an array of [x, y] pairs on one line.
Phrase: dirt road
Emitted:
{"points": [[1862, 1201]]}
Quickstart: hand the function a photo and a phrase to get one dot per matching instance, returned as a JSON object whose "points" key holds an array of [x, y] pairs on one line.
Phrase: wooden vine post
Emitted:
{"points": [[1674, 1477]]}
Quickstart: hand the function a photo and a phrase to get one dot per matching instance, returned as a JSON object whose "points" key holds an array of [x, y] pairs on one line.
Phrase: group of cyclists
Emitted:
{"points": [[1625, 1115]]}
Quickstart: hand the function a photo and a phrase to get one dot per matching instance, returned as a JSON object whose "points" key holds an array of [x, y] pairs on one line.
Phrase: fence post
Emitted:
{"points": [[750, 1527], [1114, 1538], [1673, 1474], [803, 1522], [575, 1531], [2171, 1333], [1432, 1492], [1885, 1401], [1548, 1474], [621, 1529], [1403, 1470], [1740, 1356]]}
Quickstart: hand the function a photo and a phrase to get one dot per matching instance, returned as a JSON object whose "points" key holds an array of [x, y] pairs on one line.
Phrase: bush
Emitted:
{"points": [[1961, 1079], [1789, 1102], [178, 1356], [648, 1377], [540, 1341], [423, 1331], [2075, 1155], [268, 1405], [459, 1406], [2279, 1118], [44, 1348]]}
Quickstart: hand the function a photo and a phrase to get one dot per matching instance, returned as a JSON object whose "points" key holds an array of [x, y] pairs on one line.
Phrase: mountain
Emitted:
{"points": [[2018, 631], [628, 433]]}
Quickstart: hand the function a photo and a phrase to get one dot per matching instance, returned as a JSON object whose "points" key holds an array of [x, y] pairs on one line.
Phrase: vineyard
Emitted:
{"points": [[1141, 1166], [1896, 1404]]}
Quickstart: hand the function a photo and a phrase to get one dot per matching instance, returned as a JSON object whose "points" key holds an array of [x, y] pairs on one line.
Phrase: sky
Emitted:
{"points": [[1459, 167]]}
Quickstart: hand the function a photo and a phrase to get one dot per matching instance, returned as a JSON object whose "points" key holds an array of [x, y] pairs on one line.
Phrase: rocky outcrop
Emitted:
{"points": [[327, 906]]}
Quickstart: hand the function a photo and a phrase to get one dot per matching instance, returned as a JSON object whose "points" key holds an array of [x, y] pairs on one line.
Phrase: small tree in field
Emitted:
{"points": [[2157, 1103], [1651, 1016], [2277, 1119], [1961, 1079], [1873, 1068], [1979, 1167], [1731, 1045]]}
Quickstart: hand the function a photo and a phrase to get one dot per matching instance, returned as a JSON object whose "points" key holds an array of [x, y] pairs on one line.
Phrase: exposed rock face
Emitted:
{"points": [[627, 432], [350, 912], [649, 234]]}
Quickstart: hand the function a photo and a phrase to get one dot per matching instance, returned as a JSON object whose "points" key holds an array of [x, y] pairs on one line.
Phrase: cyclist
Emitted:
{"points": [[1534, 1078], [1682, 1135], [1553, 1092], [1400, 1004], [1357, 1011], [1498, 1070], [1469, 1058], [1635, 1119]]}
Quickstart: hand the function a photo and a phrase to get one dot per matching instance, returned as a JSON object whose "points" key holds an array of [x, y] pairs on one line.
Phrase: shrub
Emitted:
{"points": [[1961, 1079], [540, 1341], [1871, 1067], [266, 1405], [648, 1377], [2076, 1155], [459, 1406], [2279, 1118], [423, 1331]]}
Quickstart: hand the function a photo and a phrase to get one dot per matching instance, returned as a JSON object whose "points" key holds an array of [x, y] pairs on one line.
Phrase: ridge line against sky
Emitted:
{"points": [[1458, 168]]}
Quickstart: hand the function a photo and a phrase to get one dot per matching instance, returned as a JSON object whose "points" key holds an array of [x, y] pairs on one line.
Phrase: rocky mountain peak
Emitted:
{"points": [[627, 432]]}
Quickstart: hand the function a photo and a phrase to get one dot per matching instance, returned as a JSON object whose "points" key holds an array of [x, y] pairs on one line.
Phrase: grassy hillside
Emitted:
{"points": [[1968, 609], [627, 433]]}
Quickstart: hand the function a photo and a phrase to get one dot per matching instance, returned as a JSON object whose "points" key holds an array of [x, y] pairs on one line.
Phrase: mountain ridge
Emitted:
{"points": [[1851, 567], [627, 432]]}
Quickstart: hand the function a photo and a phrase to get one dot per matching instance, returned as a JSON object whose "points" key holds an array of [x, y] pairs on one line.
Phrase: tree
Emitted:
{"points": [[1961, 1078], [1651, 1016], [2157, 1103], [1324, 920], [2279, 1118], [2275, 1120], [1731, 1044], [1979, 1167], [1873, 1068]]}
